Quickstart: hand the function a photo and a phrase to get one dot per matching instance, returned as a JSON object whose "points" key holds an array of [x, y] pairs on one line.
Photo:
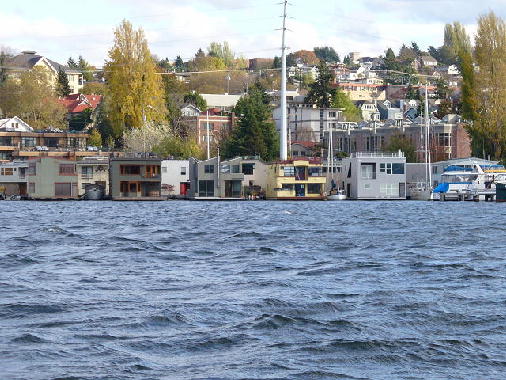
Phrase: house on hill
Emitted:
{"points": [[81, 110], [28, 59]]}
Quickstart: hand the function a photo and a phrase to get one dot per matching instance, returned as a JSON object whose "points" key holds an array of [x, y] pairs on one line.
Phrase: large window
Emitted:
{"points": [[288, 171], [314, 188], [67, 169], [300, 173], [206, 188], [368, 171], [208, 168], [315, 171], [236, 169], [247, 169], [152, 171], [7, 171], [130, 169], [397, 168], [28, 141], [63, 189], [5, 141], [389, 189]]}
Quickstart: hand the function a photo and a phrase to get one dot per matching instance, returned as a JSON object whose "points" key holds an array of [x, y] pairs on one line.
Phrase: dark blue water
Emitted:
{"points": [[252, 290]]}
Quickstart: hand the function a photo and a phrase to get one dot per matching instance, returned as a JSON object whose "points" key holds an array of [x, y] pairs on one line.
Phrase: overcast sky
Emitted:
{"points": [[59, 29]]}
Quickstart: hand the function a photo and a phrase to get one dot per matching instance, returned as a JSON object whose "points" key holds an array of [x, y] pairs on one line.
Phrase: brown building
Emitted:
{"points": [[19, 141], [448, 138]]}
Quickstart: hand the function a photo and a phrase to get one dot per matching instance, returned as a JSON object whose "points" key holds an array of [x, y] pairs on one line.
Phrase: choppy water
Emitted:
{"points": [[250, 290]]}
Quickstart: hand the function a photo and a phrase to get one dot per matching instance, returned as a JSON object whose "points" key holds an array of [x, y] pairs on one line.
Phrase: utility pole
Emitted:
{"points": [[283, 132]]}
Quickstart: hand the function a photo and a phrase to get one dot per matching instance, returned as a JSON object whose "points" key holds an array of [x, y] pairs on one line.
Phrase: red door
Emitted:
{"points": [[183, 188]]}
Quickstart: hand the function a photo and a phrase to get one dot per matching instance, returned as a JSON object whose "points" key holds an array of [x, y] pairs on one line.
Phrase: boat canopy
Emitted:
{"points": [[457, 168], [441, 188]]}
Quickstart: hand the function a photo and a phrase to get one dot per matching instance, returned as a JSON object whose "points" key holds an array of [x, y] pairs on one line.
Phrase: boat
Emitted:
{"points": [[94, 193], [337, 195], [470, 182]]}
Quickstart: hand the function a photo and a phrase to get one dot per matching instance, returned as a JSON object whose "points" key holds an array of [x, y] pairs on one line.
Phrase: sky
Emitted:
{"points": [[59, 29]]}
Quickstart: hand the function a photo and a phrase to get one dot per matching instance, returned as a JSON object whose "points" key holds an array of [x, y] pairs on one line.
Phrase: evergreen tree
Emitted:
{"points": [[86, 69], [276, 64], [390, 60], [179, 64], [347, 60], [72, 64], [62, 85], [326, 53], [255, 133], [321, 91]]}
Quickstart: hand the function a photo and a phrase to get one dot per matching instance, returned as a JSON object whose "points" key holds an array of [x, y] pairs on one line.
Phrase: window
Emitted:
{"points": [[28, 141], [289, 171], [314, 188], [51, 141], [5, 141], [87, 171], [434, 170], [209, 169], [164, 169], [31, 187], [386, 168], [300, 173], [332, 114], [236, 169], [247, 169], [287, 187], [368, 171], [206, 188], [397, 168], [183, 170], [225, 169], [130, 169], [32, 168], [63, 189], [7, 171], [67, 169], [152, 171], [314, 171], [389, 190]]}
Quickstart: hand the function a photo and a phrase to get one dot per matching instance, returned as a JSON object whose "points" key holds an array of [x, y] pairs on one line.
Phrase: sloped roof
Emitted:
{"points": [[21, 125], [79, 102], [28, 60]]}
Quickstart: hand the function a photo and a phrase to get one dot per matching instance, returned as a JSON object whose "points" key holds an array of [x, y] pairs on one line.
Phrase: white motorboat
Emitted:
{"points": [[337, 195]]}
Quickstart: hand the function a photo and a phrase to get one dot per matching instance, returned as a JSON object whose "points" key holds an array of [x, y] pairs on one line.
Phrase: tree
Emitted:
{"points": [[95, 138], [416, 49], [62, 84], [326, 53], [179, 148], [321, 92], [255, 133], [85, 68], [31, 97], [72, 64], [399, 142], [390, 61], [276, 64], [197, 100], [350, 111], [306, 57], [455, 41], [97, 88], [144, 139], [347, 60], [179, 64], [222, 51], [5, 54], [135, 92], [486, 103]]}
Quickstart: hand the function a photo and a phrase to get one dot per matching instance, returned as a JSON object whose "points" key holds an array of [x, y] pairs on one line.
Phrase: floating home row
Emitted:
{"points": [[361, 176]]}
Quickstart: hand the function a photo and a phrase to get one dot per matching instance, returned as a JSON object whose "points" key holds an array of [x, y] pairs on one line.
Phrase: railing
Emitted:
{"points": [[378, 155]]}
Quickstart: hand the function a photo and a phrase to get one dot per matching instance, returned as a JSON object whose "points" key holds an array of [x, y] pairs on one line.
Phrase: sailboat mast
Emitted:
{"points": [[427, 147], [283, 132]]}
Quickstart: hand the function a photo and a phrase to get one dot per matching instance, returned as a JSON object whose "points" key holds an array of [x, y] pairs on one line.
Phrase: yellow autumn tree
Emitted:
{"points": [[134, 94], [490, 85]]}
